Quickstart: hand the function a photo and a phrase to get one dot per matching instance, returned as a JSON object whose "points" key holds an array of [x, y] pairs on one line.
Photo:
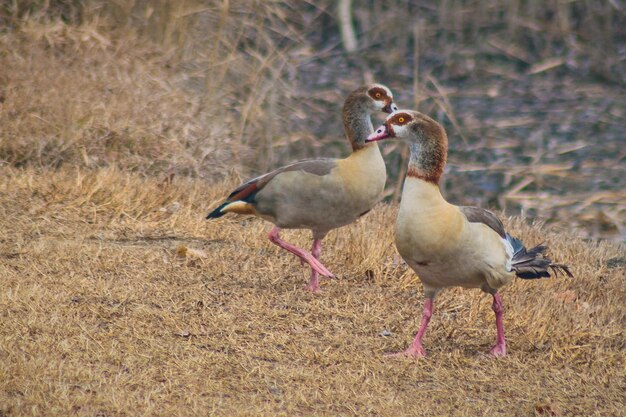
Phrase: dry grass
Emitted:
{"points": [[71, 95], [206, 88], [104, 312]]}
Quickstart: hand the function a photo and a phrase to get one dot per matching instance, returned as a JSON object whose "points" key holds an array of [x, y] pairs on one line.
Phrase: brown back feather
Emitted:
{"points": [[320, 166], [480, 215]]}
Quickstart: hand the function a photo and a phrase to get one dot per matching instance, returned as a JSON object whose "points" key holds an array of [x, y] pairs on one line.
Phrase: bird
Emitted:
{"points": [[448, 245], [324, 193]]}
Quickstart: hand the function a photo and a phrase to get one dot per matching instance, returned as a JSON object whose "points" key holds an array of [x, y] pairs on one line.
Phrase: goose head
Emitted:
{"points": [[381, 98], [358, 108], [409, 125], [427, 141]]}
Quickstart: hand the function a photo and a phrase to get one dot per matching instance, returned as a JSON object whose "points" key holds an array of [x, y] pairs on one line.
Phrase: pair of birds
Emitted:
{"points": [[446, 245]]}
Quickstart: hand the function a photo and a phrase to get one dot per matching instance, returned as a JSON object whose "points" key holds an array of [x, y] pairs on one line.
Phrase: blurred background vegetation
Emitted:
{"points": [[531, 91]]}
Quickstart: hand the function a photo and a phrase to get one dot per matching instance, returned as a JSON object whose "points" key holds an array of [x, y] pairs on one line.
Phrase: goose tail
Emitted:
{"points": [[532, 263]]}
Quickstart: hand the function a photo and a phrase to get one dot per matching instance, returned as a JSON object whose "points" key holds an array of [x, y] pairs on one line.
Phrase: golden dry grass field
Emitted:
{"points": [[118, 298], [123, 123]]}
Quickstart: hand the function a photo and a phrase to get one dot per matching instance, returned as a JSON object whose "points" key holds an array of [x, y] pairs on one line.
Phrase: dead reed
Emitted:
{"points": [[215, 88]]}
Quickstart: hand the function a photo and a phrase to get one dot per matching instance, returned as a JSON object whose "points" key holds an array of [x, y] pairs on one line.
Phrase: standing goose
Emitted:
{"points": [[321, 194], [448, 245]]}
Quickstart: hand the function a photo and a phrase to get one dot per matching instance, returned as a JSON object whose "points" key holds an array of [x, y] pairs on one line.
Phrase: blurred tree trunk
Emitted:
{"points": [[348, 38]]}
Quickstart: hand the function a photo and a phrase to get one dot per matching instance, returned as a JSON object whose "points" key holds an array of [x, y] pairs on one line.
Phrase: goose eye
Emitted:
{"points": [[378, 95], [401, 119]]}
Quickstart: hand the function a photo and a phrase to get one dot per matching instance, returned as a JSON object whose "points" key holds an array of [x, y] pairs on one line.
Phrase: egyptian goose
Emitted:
{"points": [[448, 245], [320, 194]]}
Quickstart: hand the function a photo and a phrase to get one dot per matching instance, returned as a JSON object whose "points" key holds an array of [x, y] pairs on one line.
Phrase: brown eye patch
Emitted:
{"points": [[377, 93], [401, 119]]}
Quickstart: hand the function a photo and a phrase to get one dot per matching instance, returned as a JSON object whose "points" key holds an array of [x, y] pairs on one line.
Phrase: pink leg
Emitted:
{"points": [[416, 350], [300, 253], [500, 348], [314, 282]]}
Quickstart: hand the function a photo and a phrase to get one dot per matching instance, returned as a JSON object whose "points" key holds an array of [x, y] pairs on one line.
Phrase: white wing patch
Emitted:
{"points": [[508, 249]]}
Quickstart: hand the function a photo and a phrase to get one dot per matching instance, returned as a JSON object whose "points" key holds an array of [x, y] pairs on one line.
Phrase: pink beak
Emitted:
{"points": [[381, 133]]}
